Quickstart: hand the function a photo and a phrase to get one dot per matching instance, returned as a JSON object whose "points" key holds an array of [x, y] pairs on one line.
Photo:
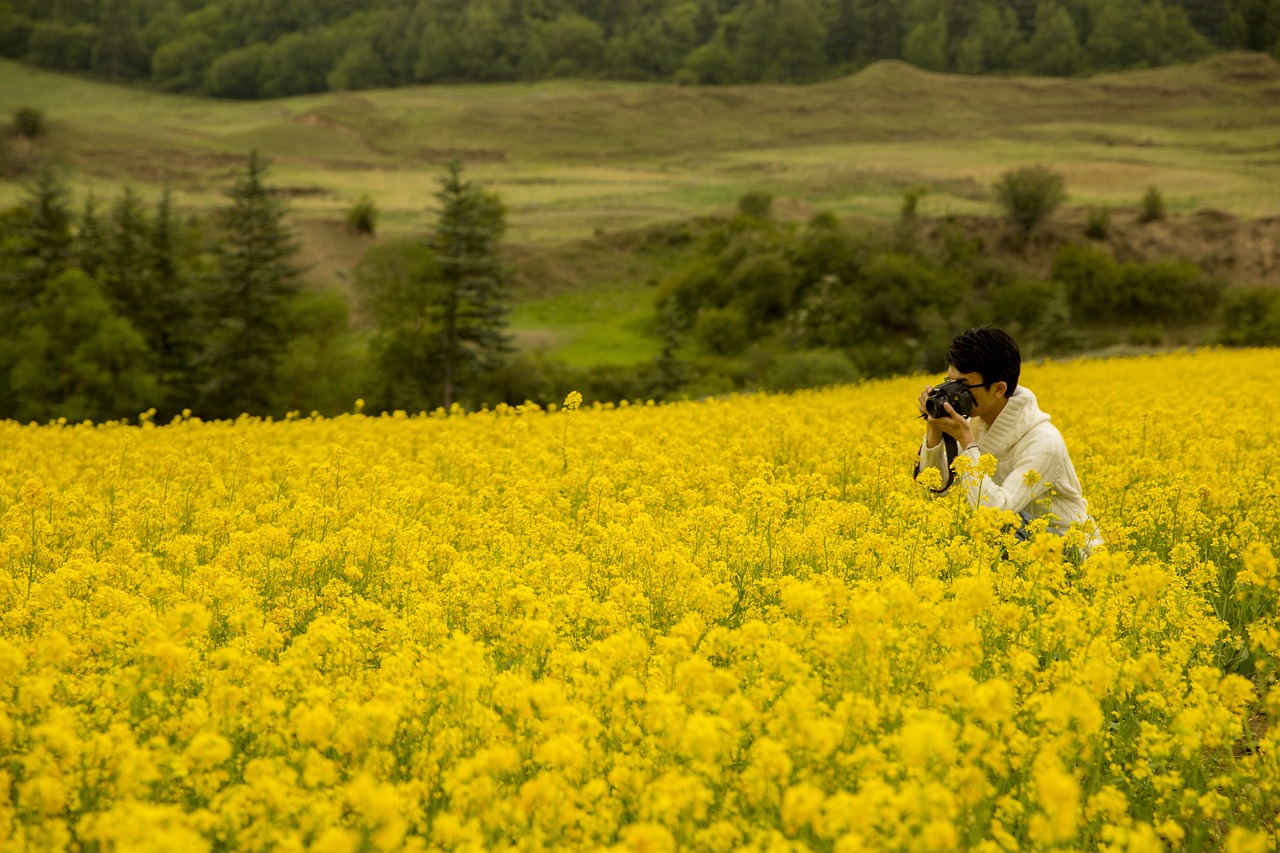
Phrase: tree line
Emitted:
{"points": [[115, 309], [274, 48], [112, 309]]}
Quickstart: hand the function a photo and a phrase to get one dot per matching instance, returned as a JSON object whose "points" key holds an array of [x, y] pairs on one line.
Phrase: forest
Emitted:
{"points": [[249, 49], [120, 308]]}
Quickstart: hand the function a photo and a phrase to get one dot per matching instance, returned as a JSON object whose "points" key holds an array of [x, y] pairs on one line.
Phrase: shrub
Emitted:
{"points": [[810, 369], [1029, 194], [29, 123], [1099, 288], [1250, 317], [1098, 227], [363, 216], [1091, 279], [721, 331], [911, 201], [1152, 207], [1147, 335], [756, 204]]}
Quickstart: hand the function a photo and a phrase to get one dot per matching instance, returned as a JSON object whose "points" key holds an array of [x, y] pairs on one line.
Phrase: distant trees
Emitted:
{"points": [[113, 311], [275, 48], [253, 280], [440, 305]]}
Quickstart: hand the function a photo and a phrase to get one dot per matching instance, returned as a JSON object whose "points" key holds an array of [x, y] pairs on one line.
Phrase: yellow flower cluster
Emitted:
{"points": [[731, 624]]}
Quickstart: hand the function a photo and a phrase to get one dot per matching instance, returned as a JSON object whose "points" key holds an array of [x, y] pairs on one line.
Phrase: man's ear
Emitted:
{"points": [[1000, 389]]}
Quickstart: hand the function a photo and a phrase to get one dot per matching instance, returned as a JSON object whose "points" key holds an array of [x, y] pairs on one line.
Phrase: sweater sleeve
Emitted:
{"points": [[936, 457], [1014, 493]]}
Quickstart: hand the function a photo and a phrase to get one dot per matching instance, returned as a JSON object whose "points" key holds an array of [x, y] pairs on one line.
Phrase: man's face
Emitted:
{"points": [[986, 399]]}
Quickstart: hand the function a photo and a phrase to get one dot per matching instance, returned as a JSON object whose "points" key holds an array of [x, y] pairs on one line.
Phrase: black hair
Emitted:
{"points": [[990, 352]]}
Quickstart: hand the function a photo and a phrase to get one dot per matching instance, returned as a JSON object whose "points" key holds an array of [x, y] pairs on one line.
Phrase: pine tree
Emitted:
{"points": [[173, 330], [35, 248], [40, 242], [122, 271], [90, 246], [253, 280], [470, 309]]}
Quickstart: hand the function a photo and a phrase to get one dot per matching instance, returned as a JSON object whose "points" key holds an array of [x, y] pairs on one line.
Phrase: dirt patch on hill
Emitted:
{"points": [[1234, 250]]}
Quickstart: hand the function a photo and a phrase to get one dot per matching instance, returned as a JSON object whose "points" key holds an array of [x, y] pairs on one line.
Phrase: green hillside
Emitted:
{"points": [[571, 158], [577, 162]]}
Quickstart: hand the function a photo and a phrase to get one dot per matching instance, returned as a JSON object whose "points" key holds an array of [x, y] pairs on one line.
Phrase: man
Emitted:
{"points": [[1034, 474]]}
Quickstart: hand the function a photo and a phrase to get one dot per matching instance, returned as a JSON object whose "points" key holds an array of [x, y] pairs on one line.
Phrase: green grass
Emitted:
{"points": [[593, 326], [572, 159], [571, 156]]}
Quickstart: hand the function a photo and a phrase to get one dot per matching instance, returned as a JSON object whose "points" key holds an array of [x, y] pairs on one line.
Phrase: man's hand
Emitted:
{"points": [[953, 425]]}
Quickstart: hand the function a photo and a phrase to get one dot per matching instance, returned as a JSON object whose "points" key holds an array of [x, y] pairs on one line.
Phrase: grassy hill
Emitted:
{"points": [[573, 160]]}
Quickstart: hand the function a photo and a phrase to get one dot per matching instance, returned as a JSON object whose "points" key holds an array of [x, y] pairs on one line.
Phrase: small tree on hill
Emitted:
{"points": [[1152, 206], [247, 296], [1029, 194], [470, 305]]}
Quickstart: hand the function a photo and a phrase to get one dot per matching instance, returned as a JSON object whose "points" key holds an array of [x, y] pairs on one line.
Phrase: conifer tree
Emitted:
{"points": [[90, 245], [172, 330], [470, 309], [253, 280]]}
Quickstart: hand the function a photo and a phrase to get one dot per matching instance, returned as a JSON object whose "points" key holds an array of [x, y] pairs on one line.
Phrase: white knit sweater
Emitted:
{"points": [[1022, 440]]}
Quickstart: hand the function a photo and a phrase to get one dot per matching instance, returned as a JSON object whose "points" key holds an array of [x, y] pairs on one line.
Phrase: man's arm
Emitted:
{"points": [[1016, 493]]}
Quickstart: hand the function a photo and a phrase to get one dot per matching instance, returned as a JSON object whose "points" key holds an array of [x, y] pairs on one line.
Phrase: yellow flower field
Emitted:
{"points": [[717, 625]]}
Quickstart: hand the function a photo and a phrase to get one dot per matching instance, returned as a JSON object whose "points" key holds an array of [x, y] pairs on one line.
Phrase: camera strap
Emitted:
{"points": [[952, 449]]}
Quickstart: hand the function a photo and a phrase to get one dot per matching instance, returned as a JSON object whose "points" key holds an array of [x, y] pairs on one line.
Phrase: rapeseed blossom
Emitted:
{"points": [[728, 624]]}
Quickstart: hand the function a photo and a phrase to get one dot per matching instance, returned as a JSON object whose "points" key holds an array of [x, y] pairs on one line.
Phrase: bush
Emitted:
{"points": [[1152, 207], [1098, 226], [1250, 317], [756, 204], [1029, 194], [911, 201], [29, 123], [1101, 289], [1091, 279], [1147, 335], [363, 216], [810, 369], [721, 331]]}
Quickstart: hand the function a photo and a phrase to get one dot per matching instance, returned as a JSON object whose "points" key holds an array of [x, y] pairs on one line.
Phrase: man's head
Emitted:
{"points": [[988, 358]]}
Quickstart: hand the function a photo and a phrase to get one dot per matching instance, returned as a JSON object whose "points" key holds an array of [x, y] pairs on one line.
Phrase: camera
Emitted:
{"points": [[952, 391]]}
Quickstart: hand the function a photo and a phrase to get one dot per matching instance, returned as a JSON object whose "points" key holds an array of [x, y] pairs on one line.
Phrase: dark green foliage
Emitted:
{"points": [[112, 312], [65, 47], [38, 244], [235, 74], [77, 358], [471, 307], [325, 368], [1028, 195], [1098, 226], [1054, 48], [247, 298], [231, 48], [1250, 317], [362, 218], [1152, 207], [29, 123], [813, 368], [173, 324], [721, 331], [1101, 289], [440, 306], [397, 286], [756, 204], [1092, 281], [297, 64], [911, 202]]}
